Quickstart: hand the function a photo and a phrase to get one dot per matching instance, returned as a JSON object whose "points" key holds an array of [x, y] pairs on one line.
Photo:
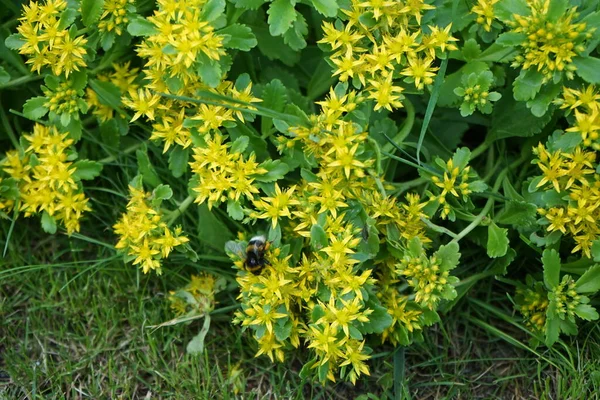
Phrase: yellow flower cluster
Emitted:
{"points": [[321, 295], [457, 180], [46, 178], [484, 9], [197, 297], [186, 49], [182, 43], [221, 173], [115, 15], [572, 173], [586, 106], [532, 303], [428, 276], [48, 43], [392, 43], [548, 43], [566, 297], [123, 77], [144, 235]]}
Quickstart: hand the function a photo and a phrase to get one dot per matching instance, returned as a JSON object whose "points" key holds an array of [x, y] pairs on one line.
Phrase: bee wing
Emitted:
{"points": [[233, 248]]}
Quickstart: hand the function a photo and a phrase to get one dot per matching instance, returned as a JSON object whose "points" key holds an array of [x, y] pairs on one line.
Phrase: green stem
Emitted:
{"points": [[180, 210], [404, 186], [21, 80], [490, 203], [479, 150], [486, 209], [438, 228], [406, 127], [8, 129]]}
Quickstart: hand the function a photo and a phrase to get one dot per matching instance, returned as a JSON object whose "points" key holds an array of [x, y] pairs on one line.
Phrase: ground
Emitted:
{"points": [[80, 327]]}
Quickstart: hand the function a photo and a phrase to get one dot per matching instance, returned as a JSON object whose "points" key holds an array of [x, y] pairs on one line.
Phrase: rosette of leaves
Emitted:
{"points": [[475, 93], [567, 298], [452, 175]]}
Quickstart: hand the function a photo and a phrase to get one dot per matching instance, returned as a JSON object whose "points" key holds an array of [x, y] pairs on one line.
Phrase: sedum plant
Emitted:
{"points": [[337, 174]]}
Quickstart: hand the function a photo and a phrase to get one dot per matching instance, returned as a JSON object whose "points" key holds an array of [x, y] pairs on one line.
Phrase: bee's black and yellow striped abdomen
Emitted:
{"points": [[255, 254]]}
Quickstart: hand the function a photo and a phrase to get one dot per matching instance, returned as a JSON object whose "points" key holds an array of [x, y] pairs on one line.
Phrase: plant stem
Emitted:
{"points": [[486, 209], [479, 150], [180, 210], [438, 228], [406, 127], [21, 80], [490, 203]]}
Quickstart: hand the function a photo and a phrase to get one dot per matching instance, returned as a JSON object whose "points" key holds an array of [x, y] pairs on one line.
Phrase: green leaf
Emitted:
{"points": [[14, 41], [327, 8], [540, 104], [275, 170], [589, 282], [108, 93], [248, 4], [141, 27], [67, 17], [511, 39], [209, 70], [552, 329], [4, 76], [281, 16], [470, 50], [235, 210], [497, 53], [240, 144], [318, 237], [178, 161], [448, 255], [588, 68], [379, 319], [274, 48], [162, 192], [196, 345], [461, 157], [87, 169], [238, 36], [294, 37], [518, 213], [514, 119], [505, 9], [211, 231], [282, 330], [587, 312], [146, 169], [567, 141], [497, 243], [274, 97], [551, 261], [212, 10], [596, 250], [48, 223], [527, 85], [556, 9], [34, 108], [90, 11]]}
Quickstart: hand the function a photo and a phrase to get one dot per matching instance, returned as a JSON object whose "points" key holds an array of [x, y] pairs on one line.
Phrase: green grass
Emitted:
{"points": [[78, 328]]}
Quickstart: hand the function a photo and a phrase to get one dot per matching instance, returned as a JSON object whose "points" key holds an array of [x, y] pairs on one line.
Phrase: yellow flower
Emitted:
{"points": [[420, 70], [485, 13], [144, 235], [275, 207], [143, 102]]}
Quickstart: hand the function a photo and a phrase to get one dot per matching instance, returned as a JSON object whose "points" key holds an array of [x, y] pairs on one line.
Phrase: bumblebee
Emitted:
{"points": [[255, 254]]}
